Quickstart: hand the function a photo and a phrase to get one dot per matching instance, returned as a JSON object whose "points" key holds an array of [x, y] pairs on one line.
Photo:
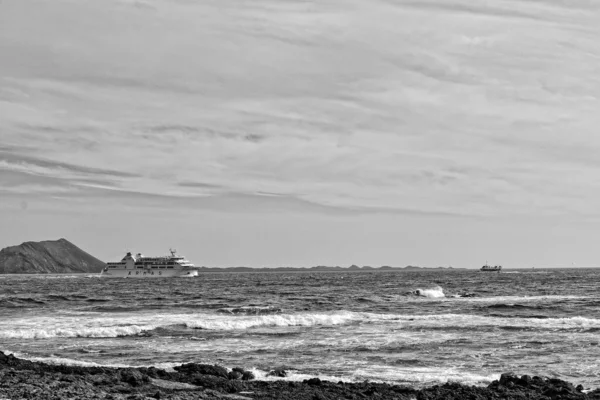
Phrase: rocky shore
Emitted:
{"points": [[22, 379]]}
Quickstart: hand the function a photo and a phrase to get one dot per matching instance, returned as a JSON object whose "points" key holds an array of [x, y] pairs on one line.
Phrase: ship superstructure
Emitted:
{"points": [[489, 268], [139, 266]]}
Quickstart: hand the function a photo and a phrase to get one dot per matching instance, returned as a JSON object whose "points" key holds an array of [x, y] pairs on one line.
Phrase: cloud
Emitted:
{"points": [[203, 185], [510, 10], [38, 166], [32, 189], [422, 107]]}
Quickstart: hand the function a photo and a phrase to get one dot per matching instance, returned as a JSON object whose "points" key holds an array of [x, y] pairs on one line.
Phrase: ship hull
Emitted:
{"points": [[150, 274]]}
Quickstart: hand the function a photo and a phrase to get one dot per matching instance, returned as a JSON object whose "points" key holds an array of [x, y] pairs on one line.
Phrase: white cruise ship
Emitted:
{"points": [[138, 266]]}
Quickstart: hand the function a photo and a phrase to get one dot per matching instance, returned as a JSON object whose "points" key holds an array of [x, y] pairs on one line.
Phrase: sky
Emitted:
{"points": [[300, 133]]}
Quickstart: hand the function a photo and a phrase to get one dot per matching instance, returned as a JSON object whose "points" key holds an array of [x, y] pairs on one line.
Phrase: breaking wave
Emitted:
{"points": [[55, 360], [99, 332], [161, 324], [396, 321], [433, 293], [305, 319]]}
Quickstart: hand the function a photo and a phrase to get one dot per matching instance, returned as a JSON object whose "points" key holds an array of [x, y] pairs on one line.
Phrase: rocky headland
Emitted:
{"points": [[22, 379], [50, 256]]}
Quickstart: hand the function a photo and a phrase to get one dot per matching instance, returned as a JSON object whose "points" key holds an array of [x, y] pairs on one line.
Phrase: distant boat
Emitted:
{"points": [[489, 268]]}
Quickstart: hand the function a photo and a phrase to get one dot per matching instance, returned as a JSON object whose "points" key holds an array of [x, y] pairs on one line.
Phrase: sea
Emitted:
{"points": [[417, 328]]}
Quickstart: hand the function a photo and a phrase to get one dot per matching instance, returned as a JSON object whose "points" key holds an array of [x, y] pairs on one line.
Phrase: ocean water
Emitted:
{"points": [[409, 327]]}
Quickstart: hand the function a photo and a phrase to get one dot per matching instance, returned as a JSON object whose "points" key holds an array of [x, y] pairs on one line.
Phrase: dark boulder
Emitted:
{"points": [[313, 382], [6, 359], [247, 376], [525, 380], [154, 372], [278, 372], [239, 373], [233, 386], [234, 375], [133, 377], [217, 383], [507, 377], [208, 381], [562, 386], [204, 369]]}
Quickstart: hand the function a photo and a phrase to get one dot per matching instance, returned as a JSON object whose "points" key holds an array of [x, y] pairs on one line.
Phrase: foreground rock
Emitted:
{"points": [[20, 379], [50, 256]]}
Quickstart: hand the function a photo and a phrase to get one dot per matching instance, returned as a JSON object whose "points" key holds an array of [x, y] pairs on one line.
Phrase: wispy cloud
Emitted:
{"points": [[38, 166], [203, 185], [426, 107]]}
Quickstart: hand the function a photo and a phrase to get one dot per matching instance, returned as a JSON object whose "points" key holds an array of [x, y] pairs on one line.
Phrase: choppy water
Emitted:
{"points": [[347, 326]]}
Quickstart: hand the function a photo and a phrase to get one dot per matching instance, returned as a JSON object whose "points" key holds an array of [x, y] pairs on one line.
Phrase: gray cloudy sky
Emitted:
{"points": [[287, 132]]}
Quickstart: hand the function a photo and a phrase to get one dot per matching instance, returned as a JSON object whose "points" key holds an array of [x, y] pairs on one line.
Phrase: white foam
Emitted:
{"points": [[259, 374], [296, 376], [98, 332], [433, 293], [246, 322], [55, 360], [249, 309], [388, 374], [418, 376], [131, 324]]}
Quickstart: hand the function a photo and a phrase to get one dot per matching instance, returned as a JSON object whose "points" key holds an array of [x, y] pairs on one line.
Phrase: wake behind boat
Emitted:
{"points": [[139, 266]]}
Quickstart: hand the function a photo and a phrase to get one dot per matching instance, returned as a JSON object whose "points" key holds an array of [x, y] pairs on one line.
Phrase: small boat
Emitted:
{"points": [[489, 268]]}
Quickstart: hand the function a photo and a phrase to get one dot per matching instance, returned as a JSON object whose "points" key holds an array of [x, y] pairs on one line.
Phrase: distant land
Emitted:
{"points": [[62, 256], [47, 257], [322, 268]]}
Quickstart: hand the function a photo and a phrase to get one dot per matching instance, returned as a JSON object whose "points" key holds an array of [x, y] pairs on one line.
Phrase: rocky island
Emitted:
{"points": [[47, 257]]}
